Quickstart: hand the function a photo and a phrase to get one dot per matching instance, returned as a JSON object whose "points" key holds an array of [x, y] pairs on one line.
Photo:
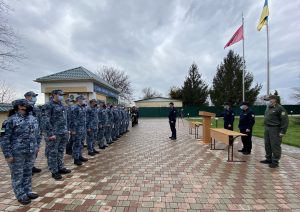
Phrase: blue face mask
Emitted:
{"points": [[33, 99], [60, 98]]}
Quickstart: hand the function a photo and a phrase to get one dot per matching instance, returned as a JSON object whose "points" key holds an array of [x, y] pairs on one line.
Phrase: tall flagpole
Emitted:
{"points": [[243, 58], [268, 60]]}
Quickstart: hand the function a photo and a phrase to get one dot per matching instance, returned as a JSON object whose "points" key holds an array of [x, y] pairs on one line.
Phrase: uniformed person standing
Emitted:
{"points": [[228, 115], [92, 127], [247, 120], [276, 124], [19, 146], [69, 103], [172, 120], [56, 134], [115, 123], [36, 112], [108, 127], [78, 129], [101, 126]]}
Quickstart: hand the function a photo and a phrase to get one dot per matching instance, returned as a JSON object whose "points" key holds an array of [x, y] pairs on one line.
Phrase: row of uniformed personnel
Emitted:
{"points": [[61, 126]]}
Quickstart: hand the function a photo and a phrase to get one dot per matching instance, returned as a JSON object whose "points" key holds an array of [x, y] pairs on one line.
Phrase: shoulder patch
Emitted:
{"points": [[283, 113], [253, 115]]}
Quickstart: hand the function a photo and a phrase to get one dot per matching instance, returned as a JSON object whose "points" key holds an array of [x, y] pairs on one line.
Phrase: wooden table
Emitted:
{"points": [[206, 125], [195, 125], [225, 136]]}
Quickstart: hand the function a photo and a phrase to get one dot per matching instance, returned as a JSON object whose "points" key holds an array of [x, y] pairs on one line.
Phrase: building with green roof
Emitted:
{"points": [[79, 81]]}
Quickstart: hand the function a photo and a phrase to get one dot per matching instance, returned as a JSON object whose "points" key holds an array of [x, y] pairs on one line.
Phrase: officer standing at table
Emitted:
{"points": [[247, 120]]}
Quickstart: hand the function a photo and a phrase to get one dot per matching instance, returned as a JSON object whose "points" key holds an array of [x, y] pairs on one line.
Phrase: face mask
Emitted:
{"points": [[33, 99], [226, 107], [60, 98], [243, 107]]}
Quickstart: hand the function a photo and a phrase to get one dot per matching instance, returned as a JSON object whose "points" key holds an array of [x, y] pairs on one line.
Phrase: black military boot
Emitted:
{"points": [[25, 200], [77, 162], [273, 165], [96, 152], [56, 176], [36, 170], [32, 195], [266, 161], [64, 171], [91, 154], [83, 159], [101, 147]]}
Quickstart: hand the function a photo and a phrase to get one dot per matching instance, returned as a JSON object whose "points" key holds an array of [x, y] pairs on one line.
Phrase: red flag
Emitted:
{"points": [[238, 35]]}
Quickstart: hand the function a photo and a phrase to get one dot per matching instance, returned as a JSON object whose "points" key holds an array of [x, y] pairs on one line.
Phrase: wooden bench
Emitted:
{"points": [[194, 125], [225, 136]]}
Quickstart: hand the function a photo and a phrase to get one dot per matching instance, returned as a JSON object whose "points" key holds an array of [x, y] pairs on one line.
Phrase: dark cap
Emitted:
{"points": [[80, 97], [22, 102], [30, 93], [272, 97], [93, 100], [171, 103], [69, 100], [245, 103], [57, 91]]}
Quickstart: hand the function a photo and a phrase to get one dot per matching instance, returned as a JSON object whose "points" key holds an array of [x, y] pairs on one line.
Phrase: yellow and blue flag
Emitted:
{"points": [[264, 16]]}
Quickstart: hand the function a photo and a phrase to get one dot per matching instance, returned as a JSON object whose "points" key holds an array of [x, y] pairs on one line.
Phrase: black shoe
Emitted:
{"points": [[241, 150], [173, 139], [246, 153], [266, 161], [77, 162], [68, 152], [56, 176], [273, 165], [115, 139], [82, 159], [105, 146], [32, 195], [96, 152], [64, 171], [91, 154], [36, 170], [101, 147], [25, 201]]}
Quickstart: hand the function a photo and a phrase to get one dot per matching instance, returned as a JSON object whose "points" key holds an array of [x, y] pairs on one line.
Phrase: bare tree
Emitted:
{"points": [[296, 95], [150, 93], [8, 40], [7, 93], [118, 79]]}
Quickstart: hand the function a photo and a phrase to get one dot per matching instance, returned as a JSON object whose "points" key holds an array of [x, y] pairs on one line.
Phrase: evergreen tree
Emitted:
{"points": [[227, 83], [194, 90], [175, 93]]}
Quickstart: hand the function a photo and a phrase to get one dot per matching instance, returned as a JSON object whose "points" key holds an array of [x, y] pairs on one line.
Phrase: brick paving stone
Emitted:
{"points": [[145, 171]]}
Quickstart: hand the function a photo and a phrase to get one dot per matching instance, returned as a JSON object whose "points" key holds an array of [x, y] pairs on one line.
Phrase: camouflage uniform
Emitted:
{"points": [[102, 118], [92, 123], [115, 123], [108, 128], [71, 139], [127, 120], [20, 142], [78, 125], [55, 124]]}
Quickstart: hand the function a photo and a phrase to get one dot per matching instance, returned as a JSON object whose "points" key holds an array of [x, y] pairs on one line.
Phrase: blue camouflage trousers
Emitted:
{"points": [[91, 139], [55, 152], [21, 174], [108, 131], [78, 145], [101, 137]]}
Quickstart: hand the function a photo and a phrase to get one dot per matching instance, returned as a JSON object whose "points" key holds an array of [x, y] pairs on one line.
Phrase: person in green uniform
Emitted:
{"points": [[276, 124]]}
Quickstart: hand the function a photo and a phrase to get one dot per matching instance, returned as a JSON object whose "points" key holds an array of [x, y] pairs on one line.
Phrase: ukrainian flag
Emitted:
{"points": [[264, 16]]}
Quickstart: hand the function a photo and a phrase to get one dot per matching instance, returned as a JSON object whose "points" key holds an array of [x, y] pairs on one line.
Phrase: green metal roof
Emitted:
{"points": [[4, 107], [76, 74]]}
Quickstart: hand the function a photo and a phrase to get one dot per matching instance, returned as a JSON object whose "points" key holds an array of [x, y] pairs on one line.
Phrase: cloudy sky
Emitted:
{"points": [[154, 41]]}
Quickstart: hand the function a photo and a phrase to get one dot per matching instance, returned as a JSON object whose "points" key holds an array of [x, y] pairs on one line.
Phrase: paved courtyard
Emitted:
{"points": [[145, 171]]}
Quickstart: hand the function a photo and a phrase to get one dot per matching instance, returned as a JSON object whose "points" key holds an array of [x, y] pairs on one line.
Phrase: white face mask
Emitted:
{"points": [[226, 107]]}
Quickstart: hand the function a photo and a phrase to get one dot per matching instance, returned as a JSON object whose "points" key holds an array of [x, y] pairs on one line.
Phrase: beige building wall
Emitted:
{"points": [[158, 104], [3, 116]]}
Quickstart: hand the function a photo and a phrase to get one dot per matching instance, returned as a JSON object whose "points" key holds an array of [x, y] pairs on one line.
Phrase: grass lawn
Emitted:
{"points": [[291, 138]]}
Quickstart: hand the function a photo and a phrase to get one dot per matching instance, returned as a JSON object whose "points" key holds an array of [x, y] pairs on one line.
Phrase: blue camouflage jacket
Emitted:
{"points": [[92, 118], [54, 119], [78, 119], [20, 135]]}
